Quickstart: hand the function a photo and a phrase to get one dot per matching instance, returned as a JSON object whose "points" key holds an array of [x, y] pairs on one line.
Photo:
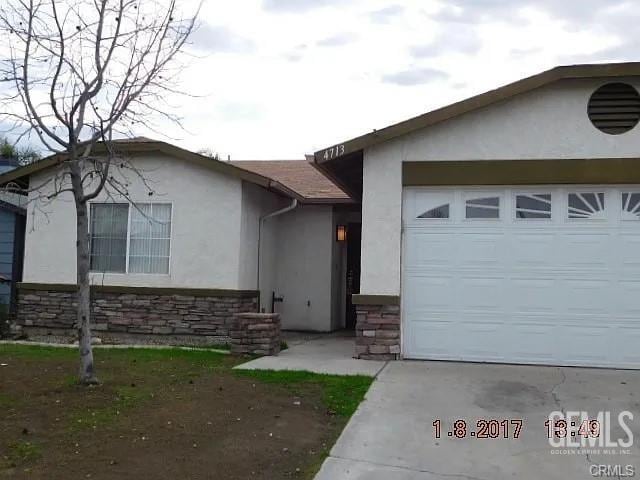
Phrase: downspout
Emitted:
{"points": [[292, 206]]}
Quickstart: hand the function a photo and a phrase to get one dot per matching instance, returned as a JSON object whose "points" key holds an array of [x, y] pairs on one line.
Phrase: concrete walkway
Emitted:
{"points": [[318, 353], [391, 436]]}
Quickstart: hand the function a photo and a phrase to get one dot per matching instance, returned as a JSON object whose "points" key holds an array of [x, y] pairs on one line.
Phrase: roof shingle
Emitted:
{"points": [[298, 175]]}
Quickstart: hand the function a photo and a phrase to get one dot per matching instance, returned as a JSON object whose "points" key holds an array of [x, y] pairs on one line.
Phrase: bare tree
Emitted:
{"points": [[75, 73]]}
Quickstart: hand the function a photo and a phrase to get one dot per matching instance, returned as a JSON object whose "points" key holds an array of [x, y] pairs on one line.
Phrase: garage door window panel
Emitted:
{"points": [[631, 206], [533, 206], [485, 207], [434, 205], [440, 212], [586, 206]]}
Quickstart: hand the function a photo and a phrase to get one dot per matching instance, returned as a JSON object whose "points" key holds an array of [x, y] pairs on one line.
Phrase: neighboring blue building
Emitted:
{"points": [[12, 227]]}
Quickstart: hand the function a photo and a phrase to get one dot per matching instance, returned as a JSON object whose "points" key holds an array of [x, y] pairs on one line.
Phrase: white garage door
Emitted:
{"points": [[542, 275]]}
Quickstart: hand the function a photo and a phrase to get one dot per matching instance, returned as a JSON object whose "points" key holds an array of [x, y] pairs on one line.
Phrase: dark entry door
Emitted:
{"points": [[354, 233]]}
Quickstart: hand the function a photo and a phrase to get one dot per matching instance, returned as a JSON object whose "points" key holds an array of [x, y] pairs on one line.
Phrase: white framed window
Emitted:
{"points": [[108, 237], [631, 206], [128, 238], [586, 205], [531, 206], [150, 238], [482, 207]]}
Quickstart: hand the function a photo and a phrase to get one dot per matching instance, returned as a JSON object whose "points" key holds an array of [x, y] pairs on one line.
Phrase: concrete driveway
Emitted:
{"points": [[392, 437]]}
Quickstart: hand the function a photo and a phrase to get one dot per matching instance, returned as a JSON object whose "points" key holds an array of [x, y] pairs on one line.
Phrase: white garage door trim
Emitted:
{"points": [[559, 291]]}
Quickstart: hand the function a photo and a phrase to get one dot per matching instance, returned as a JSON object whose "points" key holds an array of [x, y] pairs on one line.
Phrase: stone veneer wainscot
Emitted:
{"points": [[129, 314], [377, 328]]}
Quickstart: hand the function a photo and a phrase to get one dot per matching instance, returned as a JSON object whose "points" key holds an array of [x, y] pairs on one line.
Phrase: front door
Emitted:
{"points": [[354, 232]]}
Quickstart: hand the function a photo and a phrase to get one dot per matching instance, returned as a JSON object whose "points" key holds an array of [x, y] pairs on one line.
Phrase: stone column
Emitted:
{"points": [[256, 334], [378, 332]]}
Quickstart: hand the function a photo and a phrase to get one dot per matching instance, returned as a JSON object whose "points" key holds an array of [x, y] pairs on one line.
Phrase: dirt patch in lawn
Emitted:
{"points": [[164, 415]]}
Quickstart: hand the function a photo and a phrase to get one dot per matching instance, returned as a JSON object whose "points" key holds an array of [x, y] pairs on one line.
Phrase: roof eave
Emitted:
{"points": [[333, 178], [160, 147], [476, 102], [327, 201]]}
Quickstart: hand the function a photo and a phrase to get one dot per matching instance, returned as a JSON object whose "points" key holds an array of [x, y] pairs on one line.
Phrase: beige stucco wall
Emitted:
{"points": [[256, 203], [547, 123], [381, 221], [305, 245], [205, 234], [214, 241]]}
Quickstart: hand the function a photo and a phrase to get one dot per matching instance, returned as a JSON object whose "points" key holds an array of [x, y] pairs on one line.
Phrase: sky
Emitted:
{"points": [[277, 79]]}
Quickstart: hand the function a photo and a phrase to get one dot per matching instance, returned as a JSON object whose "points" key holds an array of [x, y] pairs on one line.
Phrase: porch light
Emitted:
{"points": [[341, 233]]}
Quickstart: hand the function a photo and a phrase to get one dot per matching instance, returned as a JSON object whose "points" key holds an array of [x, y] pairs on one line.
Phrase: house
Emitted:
{"points": [[12, 227], [186, 243], [505, 227], [502, 228]]}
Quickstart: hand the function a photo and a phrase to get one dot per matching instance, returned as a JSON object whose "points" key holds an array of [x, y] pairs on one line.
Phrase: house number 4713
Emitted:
{"points": [[333, 152]]}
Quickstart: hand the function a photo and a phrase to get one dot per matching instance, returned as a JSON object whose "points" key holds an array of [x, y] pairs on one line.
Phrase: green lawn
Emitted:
{"points": [[341, 394]]}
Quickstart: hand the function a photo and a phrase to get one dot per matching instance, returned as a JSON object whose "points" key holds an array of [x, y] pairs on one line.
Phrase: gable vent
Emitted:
{"points": [[615, 108]]}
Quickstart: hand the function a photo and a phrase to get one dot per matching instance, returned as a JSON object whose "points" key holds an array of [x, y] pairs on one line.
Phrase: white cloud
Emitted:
{"points": [[338, 40], [268, 88], [415, 76], [297, 6], [459, 39], [386, 14], [220, 39]]}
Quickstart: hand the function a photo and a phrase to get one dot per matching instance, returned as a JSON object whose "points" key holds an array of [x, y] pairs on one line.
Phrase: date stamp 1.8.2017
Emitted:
{"points": [[481, 428]]}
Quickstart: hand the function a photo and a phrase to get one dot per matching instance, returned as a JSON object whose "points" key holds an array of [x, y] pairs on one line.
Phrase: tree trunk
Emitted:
{"points": [[87, 373]]}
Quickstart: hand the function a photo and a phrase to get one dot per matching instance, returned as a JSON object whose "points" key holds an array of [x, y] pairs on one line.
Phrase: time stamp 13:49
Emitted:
{"points": [[512, 428]]}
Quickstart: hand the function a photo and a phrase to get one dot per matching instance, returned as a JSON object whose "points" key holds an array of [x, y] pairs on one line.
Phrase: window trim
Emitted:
{"points": [[128, 237], [126, 272], [532, 193]]}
